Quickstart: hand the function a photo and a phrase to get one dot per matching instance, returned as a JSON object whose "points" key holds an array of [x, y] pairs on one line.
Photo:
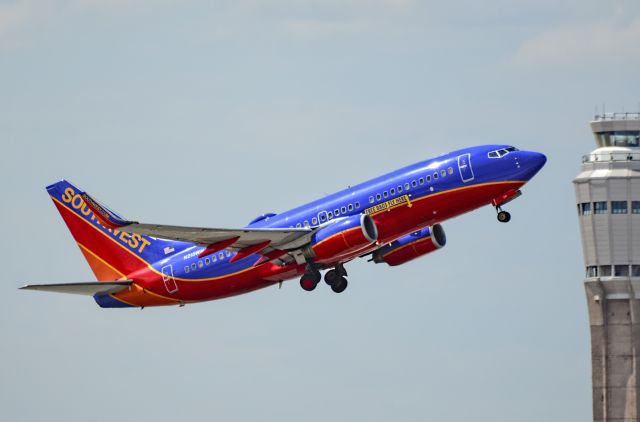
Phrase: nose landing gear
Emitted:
{"points": [[503, 216]]}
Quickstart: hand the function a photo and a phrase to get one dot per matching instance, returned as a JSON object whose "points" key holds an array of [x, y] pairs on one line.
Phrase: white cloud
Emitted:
{"points": [[614, 43], [20, 18]]}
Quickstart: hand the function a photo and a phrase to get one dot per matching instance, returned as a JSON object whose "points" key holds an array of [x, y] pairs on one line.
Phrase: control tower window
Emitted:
{"points": [[635, 271], [621, 270], [635, 207], [592, 271], [600, 207], [619, 207], [619, 139], [604, 270], [586, 208]]}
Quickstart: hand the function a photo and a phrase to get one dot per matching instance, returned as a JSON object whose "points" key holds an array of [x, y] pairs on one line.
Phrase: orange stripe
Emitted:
{"points": [[145, 262]]}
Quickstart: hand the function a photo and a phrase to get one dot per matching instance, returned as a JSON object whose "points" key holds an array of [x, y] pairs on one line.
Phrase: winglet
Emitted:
{"points": [[107, 218]]}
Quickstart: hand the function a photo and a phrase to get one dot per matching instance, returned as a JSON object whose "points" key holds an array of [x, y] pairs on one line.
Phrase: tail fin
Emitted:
{"points": [[112, 254]]}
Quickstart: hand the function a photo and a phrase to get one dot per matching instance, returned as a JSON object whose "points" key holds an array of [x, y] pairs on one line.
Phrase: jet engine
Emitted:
{"points": [[342, 239], [411, 246]]}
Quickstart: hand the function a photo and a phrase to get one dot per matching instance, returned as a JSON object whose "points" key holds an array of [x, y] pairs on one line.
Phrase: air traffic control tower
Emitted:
{"points": [[608, 205]]}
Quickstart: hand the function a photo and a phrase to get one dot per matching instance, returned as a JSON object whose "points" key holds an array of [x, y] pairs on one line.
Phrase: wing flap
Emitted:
{"points": [[88, 288], [208, 236]]}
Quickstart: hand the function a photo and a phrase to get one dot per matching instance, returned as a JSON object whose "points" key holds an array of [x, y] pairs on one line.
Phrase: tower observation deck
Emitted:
{"points": [[608, 206]]}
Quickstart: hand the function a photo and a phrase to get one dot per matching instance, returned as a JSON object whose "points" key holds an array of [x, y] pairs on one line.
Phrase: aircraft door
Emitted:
{"points": [[169, 281], [464, 166]]}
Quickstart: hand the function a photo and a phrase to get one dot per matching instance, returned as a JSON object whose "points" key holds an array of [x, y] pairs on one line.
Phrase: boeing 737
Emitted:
{"points": [[391, 219]]}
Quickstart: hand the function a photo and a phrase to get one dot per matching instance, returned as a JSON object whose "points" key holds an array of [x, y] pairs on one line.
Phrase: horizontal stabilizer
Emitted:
{"points": [[89, 288]]}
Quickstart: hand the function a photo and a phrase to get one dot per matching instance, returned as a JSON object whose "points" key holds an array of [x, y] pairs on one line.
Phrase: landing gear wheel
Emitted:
{"points": [[308, 282], [339, 285], [504, 217], [331, 277]]}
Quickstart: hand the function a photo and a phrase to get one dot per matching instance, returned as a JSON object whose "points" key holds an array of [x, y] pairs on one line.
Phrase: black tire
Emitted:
{"points": [[331, 277], [504, 217], [340, 285], [308, 282]]}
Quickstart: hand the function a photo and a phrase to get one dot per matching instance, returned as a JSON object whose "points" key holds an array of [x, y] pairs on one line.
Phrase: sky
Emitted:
{"points": [[211, 113]]}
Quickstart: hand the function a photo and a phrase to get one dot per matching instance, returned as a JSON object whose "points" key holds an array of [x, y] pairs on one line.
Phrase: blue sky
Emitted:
{"points": [[210, 113]]}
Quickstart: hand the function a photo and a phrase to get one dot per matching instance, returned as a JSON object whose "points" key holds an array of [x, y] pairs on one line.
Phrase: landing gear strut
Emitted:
{"points": [[503, 216]]}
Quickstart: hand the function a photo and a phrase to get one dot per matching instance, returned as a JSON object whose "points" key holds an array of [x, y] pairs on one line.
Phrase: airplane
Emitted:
{"points": [[392, 219]]}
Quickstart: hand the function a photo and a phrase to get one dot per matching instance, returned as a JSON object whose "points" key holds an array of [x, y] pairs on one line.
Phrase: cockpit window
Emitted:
{"points": [[501, 152]]}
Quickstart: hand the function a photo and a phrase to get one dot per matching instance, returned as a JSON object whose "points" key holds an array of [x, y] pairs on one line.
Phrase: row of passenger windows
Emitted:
{"points": [[613, 270], [407, 186], [325, 216], [207, 261], [602, 207]]}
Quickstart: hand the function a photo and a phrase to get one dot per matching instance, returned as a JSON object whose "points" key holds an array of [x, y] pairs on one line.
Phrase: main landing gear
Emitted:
{"points": [[503, 216], [335, 278]]}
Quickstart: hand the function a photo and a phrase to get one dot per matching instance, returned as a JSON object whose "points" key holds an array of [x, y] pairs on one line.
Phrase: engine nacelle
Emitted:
{"points": [[342, 239], [411, 246]]}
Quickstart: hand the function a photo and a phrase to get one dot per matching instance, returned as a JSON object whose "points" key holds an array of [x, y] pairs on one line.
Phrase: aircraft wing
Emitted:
{"points": [[207, 236], [270, 243], [89, 288]]}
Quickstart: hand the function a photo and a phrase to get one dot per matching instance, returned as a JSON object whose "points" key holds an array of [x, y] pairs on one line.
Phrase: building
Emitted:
{"points": [[608, 206]]}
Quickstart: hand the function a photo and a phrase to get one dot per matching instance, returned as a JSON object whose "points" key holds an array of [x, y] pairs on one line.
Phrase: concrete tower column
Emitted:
{"points": [[608, 207]]}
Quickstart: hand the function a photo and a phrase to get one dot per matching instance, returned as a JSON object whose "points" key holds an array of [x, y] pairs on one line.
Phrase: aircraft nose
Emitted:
{"points": [[531, 162]]}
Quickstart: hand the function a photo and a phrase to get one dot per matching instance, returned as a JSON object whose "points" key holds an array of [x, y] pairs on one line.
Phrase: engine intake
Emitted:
{"points": [[411, 246]]}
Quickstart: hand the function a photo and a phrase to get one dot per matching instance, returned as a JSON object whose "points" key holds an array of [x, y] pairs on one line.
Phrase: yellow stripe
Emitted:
{"points": [[124, 301], [415, 242], [147, 291], [145, 262], [429, 196], [334, 235], [100, 259]]}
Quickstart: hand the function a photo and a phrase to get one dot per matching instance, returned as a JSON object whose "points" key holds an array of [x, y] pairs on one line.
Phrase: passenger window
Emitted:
{"points": [[207, 261], [214, 258], [428, 179], [306, 224], [298, 225], [221, 255], [343, 210], [443, 173], [414, 183], [450, 170], [371, 199], [399, 189], [200, 264], [393, 191], [330, 214], [421, 181], [357, 205], [385, 194], [314, 221], [435, 176], [350, 207], [193, 266], [406, 186], [378, 196], [186, 269], [336, 212], [228, 253]]}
